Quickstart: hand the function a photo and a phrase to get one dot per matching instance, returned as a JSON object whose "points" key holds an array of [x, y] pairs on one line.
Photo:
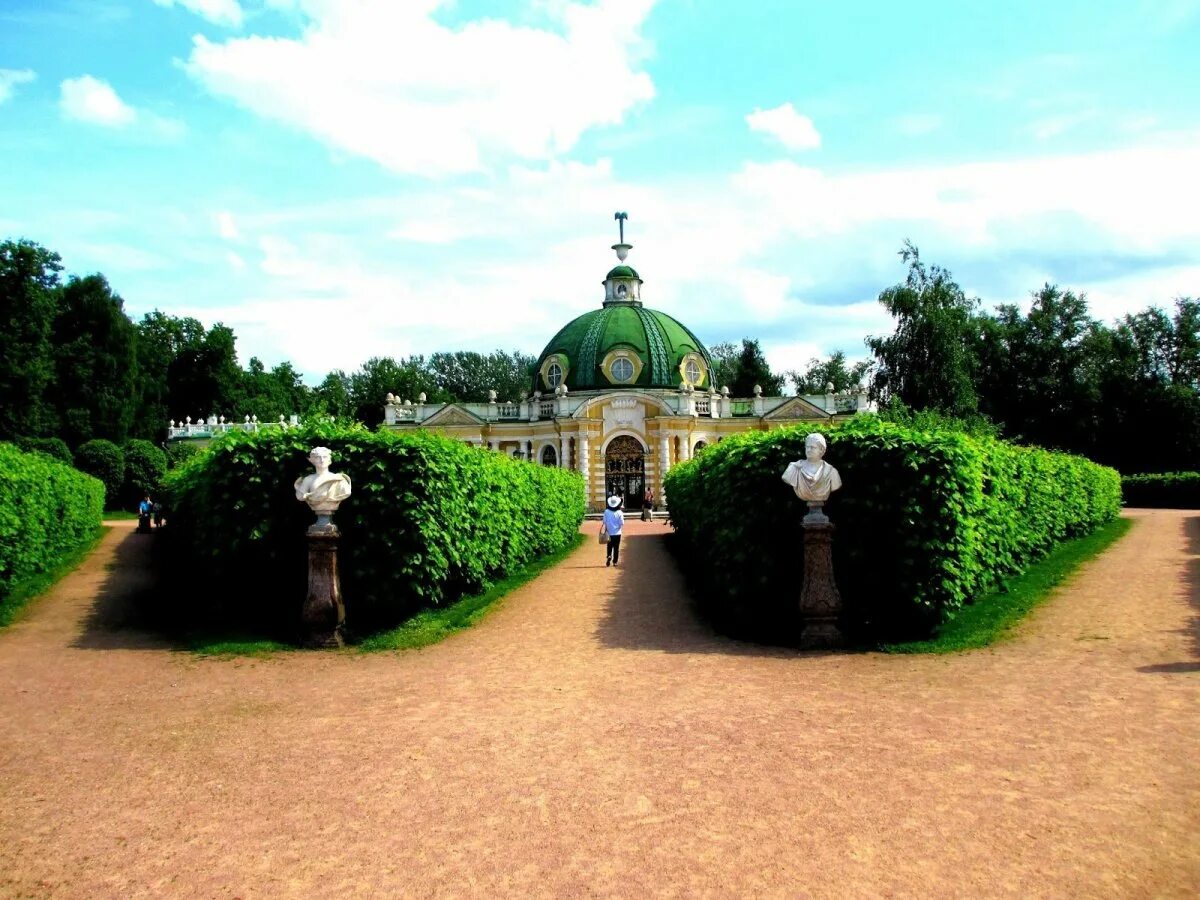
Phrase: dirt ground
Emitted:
{"points": [[590, 738]]}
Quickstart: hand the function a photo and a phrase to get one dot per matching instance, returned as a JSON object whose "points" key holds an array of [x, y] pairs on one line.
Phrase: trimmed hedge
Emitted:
{"points": [[429, 520], [103, 460], [926, 521], [51, 446], [145, 467], [47, 510], [1168, 490]]}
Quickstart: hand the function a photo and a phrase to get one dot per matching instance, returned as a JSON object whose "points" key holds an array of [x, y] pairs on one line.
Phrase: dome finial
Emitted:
{"points": [[622, 248]]}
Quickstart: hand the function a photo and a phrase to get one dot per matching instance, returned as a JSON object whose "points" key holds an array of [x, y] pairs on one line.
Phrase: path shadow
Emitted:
{"points": [[123, 612], [1191, 583], [651, 609]]}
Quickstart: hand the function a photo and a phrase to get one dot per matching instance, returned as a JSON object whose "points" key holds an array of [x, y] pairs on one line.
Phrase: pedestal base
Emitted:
{"points": [[820, 602], [324, 615]]}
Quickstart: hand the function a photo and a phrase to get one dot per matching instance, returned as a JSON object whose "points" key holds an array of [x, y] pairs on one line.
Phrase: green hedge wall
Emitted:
{"points": [[429, 520], [106, 461], [47, 509], [926, 521], [1169, 490]]}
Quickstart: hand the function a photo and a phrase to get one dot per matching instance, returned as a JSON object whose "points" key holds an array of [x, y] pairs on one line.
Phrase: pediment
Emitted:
{"points": [[797, 408], [453, 415]]}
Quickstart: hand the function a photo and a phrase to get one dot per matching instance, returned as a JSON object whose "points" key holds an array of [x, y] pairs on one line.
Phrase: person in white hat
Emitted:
{"points": [[614, 521]]}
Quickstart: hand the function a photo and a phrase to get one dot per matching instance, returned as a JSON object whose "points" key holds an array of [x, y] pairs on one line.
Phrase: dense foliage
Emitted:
{"points": [[55, 447], [103, 460], [47, 509], [1169, 490], [145, 467], [927, 520], [429, 520]]}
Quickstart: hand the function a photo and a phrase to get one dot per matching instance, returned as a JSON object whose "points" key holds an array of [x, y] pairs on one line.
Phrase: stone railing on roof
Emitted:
{"points": [[216, 425]]}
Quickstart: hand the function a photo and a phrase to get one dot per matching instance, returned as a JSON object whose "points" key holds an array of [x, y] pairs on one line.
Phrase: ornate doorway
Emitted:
{"points": [[625, 470]]}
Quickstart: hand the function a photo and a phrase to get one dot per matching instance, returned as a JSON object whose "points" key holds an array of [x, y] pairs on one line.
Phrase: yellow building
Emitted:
{"points": [[621, 394]]}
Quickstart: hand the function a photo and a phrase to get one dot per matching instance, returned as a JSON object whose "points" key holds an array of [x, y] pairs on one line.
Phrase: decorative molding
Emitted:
{"points": [[797, 408], [453, 415]]}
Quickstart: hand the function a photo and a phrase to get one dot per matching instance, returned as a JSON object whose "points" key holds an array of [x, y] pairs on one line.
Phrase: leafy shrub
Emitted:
{"points": [[145, 467], [53, 447], [179, 452], [926, 521], [1169, 490], [47, 509], [429, 520], [104, 460]]}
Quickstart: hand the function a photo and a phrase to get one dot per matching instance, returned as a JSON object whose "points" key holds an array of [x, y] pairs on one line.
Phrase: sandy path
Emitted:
{"points": [[590, 738]]}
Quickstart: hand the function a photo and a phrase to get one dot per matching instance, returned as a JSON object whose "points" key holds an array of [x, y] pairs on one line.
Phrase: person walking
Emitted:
{"points": [[614, 521], [648, 506]]}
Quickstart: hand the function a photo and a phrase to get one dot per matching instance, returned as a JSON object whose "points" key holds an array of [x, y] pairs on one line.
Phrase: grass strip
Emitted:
{"points": [[119, 515], [27, 590], [993, 616], [433, 625]]}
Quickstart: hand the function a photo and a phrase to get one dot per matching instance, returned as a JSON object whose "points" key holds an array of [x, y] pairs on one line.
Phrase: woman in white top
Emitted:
{"points": [[614, 521]]}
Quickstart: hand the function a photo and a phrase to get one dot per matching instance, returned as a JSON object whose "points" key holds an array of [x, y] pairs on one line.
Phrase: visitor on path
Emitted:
{"points": [[614, 521], [144, 510], [157, 509], [648, 506]]}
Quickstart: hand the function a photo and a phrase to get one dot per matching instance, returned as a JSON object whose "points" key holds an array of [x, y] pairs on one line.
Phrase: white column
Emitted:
{"points": [[562, 452], [585, 467]]}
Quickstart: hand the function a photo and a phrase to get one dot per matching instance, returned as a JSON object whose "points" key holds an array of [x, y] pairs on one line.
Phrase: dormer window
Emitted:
{"points": [[554, 375], [622, 291]]}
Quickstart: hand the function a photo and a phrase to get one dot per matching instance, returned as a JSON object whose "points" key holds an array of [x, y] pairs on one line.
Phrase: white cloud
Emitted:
{"points": [[91, 100], [10, 78], [386, 81], [227, 226], [790, 128], [219, 12]]}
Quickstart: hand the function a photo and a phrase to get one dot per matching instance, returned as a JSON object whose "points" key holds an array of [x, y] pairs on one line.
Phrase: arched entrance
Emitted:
{"points": [[549, 456], [625, 470]]}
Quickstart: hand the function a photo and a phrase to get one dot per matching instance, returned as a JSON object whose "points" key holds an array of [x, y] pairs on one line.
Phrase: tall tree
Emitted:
{"points": [[382, 375], [160, 339], [279, 392], [822, 373], [467, 376], [204, 377], [332, 396], [741, 368], [29, 283], [95, 389], [929, 361]]}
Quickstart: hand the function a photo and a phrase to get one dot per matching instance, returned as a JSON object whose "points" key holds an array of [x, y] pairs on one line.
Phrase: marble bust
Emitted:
{"points": [[323, 490], [812, 478]]}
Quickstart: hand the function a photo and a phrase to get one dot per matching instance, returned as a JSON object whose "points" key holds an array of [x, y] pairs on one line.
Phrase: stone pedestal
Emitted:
{"points": [[820, 602], [324, 614]]}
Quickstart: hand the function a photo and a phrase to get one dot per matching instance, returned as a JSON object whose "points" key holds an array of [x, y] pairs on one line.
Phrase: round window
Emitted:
{"points": [[554, 375], [622, 370], [693, 372]]}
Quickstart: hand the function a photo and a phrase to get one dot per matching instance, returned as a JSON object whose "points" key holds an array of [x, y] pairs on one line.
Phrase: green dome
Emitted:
{"points": [[655, 344], [623, 272]]}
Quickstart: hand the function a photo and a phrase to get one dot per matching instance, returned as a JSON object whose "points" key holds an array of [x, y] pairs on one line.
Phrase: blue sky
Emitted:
{"points": [[339, 180]]}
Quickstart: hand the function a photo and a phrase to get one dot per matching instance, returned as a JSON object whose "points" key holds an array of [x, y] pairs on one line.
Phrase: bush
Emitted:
{"points": [[927, 520], [53, 447], [1170, 490], [104, 460], [179, 452], [429, 520], [47, 510], [145, 467]]}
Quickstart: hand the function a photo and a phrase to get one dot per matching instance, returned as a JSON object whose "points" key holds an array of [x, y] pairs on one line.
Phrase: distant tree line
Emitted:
{"points": [[74, 366]]}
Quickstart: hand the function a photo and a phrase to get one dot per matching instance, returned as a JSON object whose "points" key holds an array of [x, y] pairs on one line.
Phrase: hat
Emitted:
{"points": [[614, 501]]}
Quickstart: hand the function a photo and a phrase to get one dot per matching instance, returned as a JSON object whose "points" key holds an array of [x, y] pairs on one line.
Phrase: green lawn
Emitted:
{"points": [[26, 591], [992, 617]]}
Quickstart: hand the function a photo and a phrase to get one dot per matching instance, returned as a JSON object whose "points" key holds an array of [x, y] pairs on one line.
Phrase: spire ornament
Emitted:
{"points": [[622, 248]]}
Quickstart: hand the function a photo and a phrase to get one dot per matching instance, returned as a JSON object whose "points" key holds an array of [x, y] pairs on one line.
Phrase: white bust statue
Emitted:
{"points": [[812, 478], [323, 490]]}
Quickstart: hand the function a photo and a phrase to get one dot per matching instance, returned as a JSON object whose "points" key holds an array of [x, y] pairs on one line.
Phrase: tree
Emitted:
{"points": [[467, 376], [740, 369], [29, 286], [95, 363], [160, 339], [928, 362], [834, 370], [279, 392], [382, 375], [332, 396], [145, 467], [104, 460], [203, 378]]}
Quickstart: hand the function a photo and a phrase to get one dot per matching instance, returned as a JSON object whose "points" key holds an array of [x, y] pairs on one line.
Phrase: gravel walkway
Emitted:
{"points": [[591, 739]]}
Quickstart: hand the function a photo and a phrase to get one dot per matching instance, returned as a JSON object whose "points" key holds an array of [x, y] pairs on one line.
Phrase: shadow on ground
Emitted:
{"points": [[121, 616], [1191, 589], [650, 608]]}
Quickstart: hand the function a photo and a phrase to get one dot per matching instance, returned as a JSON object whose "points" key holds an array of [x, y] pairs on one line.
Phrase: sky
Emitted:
{"points": [[342, 179]]}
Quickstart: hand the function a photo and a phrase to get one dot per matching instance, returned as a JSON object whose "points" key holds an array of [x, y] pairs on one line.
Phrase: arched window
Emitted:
{"points": [[549, 456], [693, 372], [700, 445], [622, 370], [554, 375]]}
